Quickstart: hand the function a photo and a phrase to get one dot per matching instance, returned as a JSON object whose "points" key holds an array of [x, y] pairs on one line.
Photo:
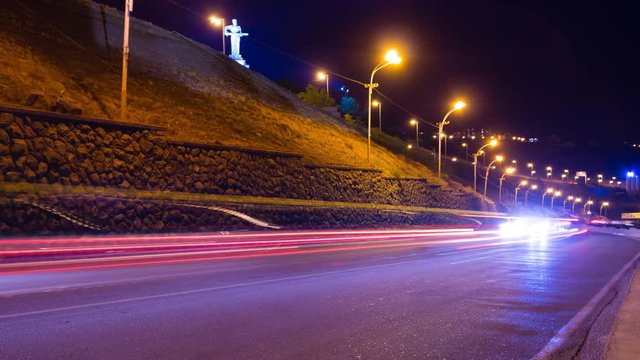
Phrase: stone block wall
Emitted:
{"points": [[70, 150]]}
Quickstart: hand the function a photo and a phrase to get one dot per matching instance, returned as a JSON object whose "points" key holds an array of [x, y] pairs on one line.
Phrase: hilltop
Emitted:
{"points": [[65, 56]]}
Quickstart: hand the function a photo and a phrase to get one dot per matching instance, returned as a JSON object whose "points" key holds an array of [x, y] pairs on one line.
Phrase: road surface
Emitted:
{"points": [[433, 301]]}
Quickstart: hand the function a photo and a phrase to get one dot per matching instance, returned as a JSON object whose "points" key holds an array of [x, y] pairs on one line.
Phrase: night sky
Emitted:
{"points": [[529, 67]]}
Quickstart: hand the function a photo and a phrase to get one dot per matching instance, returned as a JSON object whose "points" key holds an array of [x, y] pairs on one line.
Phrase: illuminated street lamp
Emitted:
{"points": [[499, 158], [377, 104], [587, 205], [562, 177], [218, 21], [604, 205], [548, 191], [555, 195], [391, 58], [522, 183], [526, 193], [409, 146], [475, 161], [466, 151], [323, 76], [457, 106], [573, 207], [415, 123], [508, 171], [564, 203], [549, 171], [530, 166]]}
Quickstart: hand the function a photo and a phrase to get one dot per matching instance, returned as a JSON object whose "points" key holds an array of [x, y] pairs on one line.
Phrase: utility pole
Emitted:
{"points": [[128, 8]]}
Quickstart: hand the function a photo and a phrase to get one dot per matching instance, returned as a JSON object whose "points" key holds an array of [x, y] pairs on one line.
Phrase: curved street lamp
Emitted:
{"points": [[415, 123], [475, 161], [587, 205], [522, 183], [457, 106], [391, 58], [219, 21], [555, 195], [323, 76], [604, 205], [548, 191], [377, 104], [564, 203], [526, 194], [499, 158], [573, 207], [508, 171]]}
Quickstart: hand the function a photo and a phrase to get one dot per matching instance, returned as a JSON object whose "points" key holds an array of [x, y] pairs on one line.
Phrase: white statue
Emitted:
{"points": [[235, 32]]}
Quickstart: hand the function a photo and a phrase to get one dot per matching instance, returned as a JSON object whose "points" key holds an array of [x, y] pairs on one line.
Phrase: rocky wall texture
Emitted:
{"points": [[68, 214], [39, 149]]}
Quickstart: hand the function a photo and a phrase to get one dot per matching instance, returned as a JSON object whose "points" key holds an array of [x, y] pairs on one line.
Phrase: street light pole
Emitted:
{"points": [[417, 125], [220, 22], [378, 104], [128, 8], [390, 58], [549, 191], [475, 162], [564, 203], [522, 183], [457, 106], [507, 172], [486, 177], [526, 194], [573, 207], [556, 194]]}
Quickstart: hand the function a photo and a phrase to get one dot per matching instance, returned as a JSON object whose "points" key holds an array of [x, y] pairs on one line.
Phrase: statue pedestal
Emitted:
{"points": [[239, 60]]}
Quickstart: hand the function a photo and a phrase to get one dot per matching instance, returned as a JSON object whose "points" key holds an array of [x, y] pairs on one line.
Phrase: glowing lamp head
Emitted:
{"points": [[534, 187], [557, 193], [459, 105], [530, 165], [524, 182], [413, 122], [499, 158], [409, 146], [493, 143], [510, 170], [454, 159], [590, 202], [321, 75], [464, 144], [606, 203], [549, 190], [578, 200], [570, 197], [375, 103], [215, 20], [630, 174], [549, 168], [392, 57]]}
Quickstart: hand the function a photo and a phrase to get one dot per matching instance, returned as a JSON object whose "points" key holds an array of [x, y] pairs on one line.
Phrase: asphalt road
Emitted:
{"points": [[497, 302]]}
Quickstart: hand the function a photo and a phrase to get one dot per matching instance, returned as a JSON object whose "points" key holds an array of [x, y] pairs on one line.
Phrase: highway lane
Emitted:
{"points": [[436, 301]]}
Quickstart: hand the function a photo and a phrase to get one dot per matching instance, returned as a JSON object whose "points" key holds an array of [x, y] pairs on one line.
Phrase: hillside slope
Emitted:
{"points": [[65, 55]]}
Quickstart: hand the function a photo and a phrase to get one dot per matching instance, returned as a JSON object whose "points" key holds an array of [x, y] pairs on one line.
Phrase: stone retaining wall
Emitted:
{"points": [[55, 214], [52, 149]]}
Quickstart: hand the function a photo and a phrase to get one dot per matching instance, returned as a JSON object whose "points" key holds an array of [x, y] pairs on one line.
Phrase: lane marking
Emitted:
{"points": [[197, 291]]}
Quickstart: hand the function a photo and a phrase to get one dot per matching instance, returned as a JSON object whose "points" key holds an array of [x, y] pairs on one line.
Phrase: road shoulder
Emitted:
{"points": [[624, 344]]}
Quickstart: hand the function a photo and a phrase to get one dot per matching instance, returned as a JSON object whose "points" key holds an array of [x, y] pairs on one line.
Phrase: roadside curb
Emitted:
{"points": [[622, 342], [575, 334]]}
